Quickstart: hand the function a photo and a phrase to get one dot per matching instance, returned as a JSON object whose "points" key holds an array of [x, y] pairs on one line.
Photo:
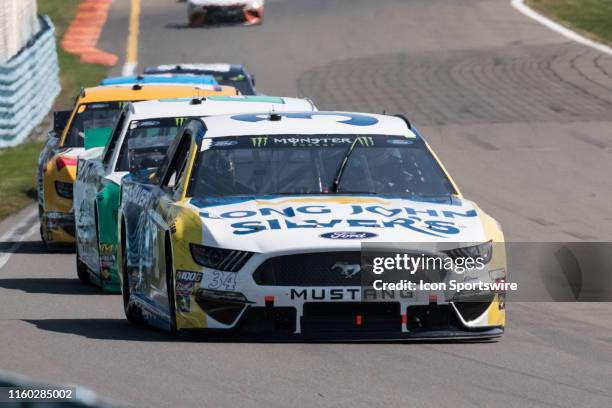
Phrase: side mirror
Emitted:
{"points": [[53, 135], [60, 120]]}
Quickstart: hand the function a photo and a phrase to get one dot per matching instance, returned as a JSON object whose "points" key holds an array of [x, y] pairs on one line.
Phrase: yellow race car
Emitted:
{"points": [[89, 125]]}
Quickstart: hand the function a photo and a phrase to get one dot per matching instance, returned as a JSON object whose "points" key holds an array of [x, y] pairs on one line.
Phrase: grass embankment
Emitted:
{"points": [[18, 164], [592, 18]]}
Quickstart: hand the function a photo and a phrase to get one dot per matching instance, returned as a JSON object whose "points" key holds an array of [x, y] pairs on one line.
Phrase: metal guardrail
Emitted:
{"points": [[18, 24], [29, 83]]}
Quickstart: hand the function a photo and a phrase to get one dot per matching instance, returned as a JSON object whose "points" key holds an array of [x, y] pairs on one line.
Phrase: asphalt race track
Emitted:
{"points": [[520, 117]]}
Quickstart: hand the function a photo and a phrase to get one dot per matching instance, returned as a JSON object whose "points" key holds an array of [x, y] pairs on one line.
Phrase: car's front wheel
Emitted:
{"points": [[197, 20], [81, 268], [170, 286], [132, 313]]}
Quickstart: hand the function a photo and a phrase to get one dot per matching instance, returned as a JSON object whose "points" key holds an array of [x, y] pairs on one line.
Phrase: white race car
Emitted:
{"points": [[260, 223], [138, 143], [200, 12]]}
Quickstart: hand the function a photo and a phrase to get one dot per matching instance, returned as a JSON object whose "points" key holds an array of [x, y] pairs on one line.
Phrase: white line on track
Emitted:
{"points": [[564, 31], [128, 69], [131, 48], [17, 235]]}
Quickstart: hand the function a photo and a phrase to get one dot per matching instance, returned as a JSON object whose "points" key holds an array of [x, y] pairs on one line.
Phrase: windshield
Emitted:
{"points": [[238, 81], [147, 142], [297, 164], [94, 115]]}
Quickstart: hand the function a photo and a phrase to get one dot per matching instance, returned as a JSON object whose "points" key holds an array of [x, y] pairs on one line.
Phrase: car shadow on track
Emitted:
{"points": [[100, 329], [23, 247], [52, 286], [212, 26], [120, 329]]}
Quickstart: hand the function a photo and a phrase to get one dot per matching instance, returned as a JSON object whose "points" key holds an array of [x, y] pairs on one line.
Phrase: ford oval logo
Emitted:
{"points": [[348, 235]]}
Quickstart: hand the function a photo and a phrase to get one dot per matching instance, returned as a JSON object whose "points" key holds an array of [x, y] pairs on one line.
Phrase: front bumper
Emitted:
{"points": [[279, 313], [244, 13], [57, 227]]}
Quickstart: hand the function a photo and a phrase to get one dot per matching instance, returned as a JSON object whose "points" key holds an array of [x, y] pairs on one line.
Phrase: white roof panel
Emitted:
{"points": [[217, 67], [182, 107], [306, 123]]}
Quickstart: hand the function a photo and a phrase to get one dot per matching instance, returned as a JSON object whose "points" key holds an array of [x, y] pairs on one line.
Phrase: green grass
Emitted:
{"points": [[592, 18], [18, 164], [18, 169]]}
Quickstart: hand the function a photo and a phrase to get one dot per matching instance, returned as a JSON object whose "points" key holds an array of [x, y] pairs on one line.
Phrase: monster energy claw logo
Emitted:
{"points": [[179, 121], [259, 141], [366, 141]]}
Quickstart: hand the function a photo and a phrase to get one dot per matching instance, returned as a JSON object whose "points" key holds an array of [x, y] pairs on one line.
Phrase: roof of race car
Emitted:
{"points": [[306, 123], [216, 67], [144, 92], [223, 2], [216, 105], [161, 79]]}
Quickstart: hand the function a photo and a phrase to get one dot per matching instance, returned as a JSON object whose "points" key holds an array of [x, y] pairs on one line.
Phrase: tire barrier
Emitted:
{"points": [[18, 24], [29, 83], [82, 35]]}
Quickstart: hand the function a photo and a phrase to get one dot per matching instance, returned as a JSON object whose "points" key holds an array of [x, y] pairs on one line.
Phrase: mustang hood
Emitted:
{"points": [[305, 223]]}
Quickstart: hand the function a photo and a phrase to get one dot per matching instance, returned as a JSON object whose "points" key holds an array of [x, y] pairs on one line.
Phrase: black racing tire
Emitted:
{"points": [[81, 268], [170, 286], [40, 228], [132, 312], [197, 20]]}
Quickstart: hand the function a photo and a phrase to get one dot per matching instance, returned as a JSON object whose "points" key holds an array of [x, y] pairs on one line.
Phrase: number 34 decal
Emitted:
{"points": [[220, 280]]}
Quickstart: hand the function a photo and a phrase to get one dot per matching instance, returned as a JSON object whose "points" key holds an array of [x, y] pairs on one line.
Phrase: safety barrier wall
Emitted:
{"points": [[18, 24], [29, 83]]}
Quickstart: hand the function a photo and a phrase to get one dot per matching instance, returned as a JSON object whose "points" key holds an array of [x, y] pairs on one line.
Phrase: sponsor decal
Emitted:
{"points": [[347, 294], [105, 274], [225, 143], [107, 249], [259, 141], [189, 276], [184, 288], [399, 141], [348, 235], [354, 119], [184, 303], [431, 222], [179, 121], [148, 123], [346, 269]]}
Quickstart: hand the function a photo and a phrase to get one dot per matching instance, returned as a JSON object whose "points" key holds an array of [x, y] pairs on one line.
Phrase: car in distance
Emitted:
{"points": [[161, 79], [201, 12], [139, 141], [226, 74], [88, 125], [255, 223]]}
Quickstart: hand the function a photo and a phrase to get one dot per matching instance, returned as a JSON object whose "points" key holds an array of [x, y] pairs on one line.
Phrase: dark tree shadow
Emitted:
{"points": [[208, 26], [51, 286], [100, 329], [32, 193], [23, 247]]}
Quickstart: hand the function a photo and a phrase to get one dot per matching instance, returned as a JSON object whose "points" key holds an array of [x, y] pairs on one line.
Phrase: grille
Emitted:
{"points": [[342, 317], [313, 269]]}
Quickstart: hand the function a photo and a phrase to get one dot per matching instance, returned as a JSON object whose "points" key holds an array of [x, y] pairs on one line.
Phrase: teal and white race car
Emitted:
{"points": [[138, 142]]}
